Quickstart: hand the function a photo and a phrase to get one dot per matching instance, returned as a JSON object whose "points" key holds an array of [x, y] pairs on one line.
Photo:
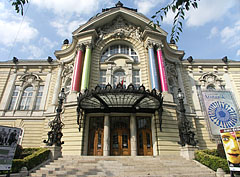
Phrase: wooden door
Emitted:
{"points": [[95, 142], [145, 142], [120, 142]]}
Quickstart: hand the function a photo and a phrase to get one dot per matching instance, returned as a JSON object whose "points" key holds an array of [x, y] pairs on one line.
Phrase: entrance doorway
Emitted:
{"points": [[95, 143], [144, 139], [120, 136]]}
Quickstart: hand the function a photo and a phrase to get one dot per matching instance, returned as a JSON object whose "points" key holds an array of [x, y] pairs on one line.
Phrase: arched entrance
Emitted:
{"points": [[120, 136]]}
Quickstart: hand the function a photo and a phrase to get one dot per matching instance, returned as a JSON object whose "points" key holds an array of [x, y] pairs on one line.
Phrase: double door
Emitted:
{"points": [[145, 142], [120, 142]]}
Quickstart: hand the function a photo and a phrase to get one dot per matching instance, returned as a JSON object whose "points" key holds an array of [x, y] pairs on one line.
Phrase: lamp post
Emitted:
{"points": [[185, 133], [56, 125]]}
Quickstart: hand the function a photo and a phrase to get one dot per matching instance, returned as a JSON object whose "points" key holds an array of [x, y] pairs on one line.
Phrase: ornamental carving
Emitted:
{"points": [[119, 28], [209, 79], [30, 79], [67, 72]]}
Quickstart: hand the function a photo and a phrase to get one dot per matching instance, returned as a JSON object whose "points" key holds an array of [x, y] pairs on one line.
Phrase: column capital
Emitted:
{"points": [[159, 46], [80, 46], [88, 45], [150, 44]]}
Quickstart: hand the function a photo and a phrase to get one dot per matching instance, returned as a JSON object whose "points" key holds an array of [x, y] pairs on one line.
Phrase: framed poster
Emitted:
{"points": [[231, 139], [9, 138], [221, 110]]}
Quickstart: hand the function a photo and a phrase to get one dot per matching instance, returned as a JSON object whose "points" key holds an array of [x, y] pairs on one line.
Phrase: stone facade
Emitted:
{"points": [[117, 45]]}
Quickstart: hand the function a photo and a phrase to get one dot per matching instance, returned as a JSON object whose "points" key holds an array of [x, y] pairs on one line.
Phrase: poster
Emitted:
{"points": [[9, 138], [231, 139], [221, 110]]}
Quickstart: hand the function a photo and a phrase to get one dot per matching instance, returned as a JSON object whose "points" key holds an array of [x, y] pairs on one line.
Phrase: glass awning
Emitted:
{"points": [[120, 99]]}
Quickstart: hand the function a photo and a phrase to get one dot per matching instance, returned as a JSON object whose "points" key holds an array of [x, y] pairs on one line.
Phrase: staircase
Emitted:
{"points": [[92, 166]]}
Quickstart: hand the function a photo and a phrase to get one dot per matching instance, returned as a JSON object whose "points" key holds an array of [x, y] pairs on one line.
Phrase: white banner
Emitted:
{"points": [[9, 138], [221, 110]]}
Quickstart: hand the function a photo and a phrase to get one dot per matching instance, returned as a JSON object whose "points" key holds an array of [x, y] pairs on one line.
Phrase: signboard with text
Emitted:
{"points": [[221, 110], [9, 138]]}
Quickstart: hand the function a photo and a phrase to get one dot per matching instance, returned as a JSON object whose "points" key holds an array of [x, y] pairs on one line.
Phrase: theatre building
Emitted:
{"points": [[121, 79]]}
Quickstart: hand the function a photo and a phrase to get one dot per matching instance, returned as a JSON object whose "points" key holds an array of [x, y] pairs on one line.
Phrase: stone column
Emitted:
{"points": [[77, 69], [57, 85], [133, 134], [154, 138], [161, 68], [86, 68], [106, 139], [152, 65]]}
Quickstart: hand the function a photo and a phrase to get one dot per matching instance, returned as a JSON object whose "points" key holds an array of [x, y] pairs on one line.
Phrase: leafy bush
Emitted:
{"points": [[38, 156], [211, 159]]}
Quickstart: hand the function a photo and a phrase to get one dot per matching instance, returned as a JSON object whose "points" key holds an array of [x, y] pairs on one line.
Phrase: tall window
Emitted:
{"points": [[119, 77], [119, 49], [26, 98], [39, 98], [102, 79], [136, 78], [14, 98]]}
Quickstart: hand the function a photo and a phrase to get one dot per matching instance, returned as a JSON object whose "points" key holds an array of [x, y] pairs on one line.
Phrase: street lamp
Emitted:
{"points": [[185, 133], [56, 125]]}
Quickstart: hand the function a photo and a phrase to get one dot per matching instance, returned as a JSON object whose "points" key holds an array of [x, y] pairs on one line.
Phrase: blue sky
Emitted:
{"points": [[210, 32]]}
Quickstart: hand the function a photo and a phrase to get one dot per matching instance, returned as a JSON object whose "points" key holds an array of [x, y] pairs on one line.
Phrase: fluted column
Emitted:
{"points": [[106, 139], [57, 85], [86, 67], [133, 133], [161, 68], [76, 81], [152, 65]]}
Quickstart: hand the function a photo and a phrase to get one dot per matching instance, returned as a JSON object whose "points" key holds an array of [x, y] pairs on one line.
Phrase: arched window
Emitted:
{"points": [[119, 77], [26, 98], [211, 87], [119, 49]]}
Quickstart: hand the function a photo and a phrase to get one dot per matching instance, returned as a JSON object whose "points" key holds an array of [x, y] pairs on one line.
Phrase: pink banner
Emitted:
{"points": [[162, 73], [77, 72]]}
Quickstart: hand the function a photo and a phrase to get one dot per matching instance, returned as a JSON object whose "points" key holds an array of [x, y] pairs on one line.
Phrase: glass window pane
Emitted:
{"points": [[14, 98], [124, 141], [26, 98]]}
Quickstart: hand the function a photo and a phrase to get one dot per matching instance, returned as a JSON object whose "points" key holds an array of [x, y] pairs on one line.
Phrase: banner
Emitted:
{"points": [[231, 138], [221, 109], [9, 138]]}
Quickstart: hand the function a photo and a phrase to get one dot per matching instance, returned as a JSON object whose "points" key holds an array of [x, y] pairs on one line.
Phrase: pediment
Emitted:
{"points": [[132, 17]]}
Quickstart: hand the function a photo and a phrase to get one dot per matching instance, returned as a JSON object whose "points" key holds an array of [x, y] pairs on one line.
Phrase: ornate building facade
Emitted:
{"points": [[128, 77]]}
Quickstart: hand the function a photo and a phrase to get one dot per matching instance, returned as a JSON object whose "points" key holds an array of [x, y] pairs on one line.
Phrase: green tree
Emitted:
{"points": [[178, 7], [19, 5]]}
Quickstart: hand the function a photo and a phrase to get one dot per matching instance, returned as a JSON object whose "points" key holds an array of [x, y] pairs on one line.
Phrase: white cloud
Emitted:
{"points": [[207, 11], [238, 52], [214, 32], [10, 25], [231, 35], [65, 28], [63, 7], [144, 6], [40, 49]]}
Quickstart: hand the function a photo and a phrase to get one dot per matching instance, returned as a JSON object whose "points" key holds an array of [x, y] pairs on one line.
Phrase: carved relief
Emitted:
{"points": [[210, 80], [172, 76], [119, 28], [29, 79], [67, 77]]}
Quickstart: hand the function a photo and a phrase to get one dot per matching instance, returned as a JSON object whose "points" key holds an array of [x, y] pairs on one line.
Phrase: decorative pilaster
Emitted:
{"points": [[57, 85], [133, 133], [78, 69], [161, 68], [106, 139], [86, 67], [152, 65]]}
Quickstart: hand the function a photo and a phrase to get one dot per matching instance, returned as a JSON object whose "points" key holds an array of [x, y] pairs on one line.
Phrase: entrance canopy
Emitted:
{"points": [[120, 99]]}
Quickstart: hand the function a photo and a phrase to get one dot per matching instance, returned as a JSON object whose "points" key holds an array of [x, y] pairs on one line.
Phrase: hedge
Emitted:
{"points": [[211, 159], [38, 156]]}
